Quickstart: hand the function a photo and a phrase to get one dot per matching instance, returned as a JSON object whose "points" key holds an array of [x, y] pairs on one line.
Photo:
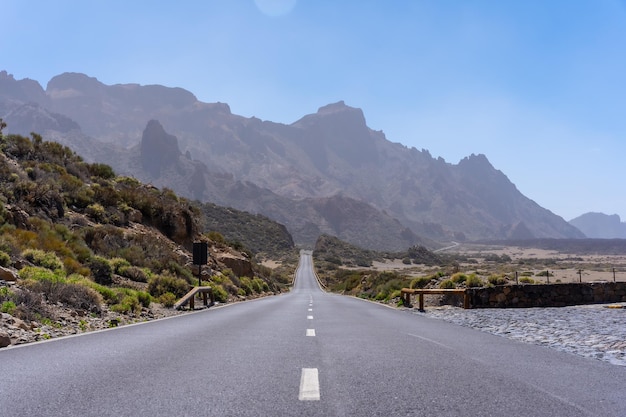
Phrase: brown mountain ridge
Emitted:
{"points": [[325, 173]]}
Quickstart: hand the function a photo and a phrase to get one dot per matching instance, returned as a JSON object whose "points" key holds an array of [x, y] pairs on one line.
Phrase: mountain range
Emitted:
{"points": [[326, 173]]}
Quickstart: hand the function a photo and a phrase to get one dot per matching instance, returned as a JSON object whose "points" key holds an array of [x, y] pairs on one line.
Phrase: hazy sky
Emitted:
{"points": [[538, 86]]}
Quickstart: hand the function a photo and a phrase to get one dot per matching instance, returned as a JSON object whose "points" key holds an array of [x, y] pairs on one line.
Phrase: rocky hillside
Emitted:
{"points": [[271, 168], [600, 226], [81, 248]]}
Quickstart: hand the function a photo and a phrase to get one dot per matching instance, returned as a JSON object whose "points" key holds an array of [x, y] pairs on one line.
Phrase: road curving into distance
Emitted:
{"points": [[305, 353]]}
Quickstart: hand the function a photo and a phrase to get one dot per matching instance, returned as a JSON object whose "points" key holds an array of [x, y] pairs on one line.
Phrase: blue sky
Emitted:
{"points": [[537, 86]]}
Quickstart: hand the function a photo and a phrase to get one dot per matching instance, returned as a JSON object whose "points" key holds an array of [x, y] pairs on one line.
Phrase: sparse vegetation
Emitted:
{"points": [[85, 239], [447, 284]]}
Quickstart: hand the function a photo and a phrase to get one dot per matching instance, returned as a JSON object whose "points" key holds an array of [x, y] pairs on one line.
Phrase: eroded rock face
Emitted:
{"points": [[241, 266]]}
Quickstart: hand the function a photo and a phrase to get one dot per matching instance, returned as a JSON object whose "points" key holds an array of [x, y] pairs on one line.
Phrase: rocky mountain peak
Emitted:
{"points": [[74, 84], [25, 90], [159, 149], [600, 225]]}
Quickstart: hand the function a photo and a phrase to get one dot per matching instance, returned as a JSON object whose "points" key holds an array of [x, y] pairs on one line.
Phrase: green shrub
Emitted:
{"points": [[527, 280], [447, 284], [258, 285], [473, 281], [101, 170], [38, 273], [144, 298], [57, 289], [118, 264], [168, 299], [496, 279], [135, 273], [44, 259], [246, 285], [101, 270], [8, 307], [420, 282], [5, 259], [216, 237], [161, 284], [108, 294], [129, 304], [96, 211], [458, 278], [220, 293]]}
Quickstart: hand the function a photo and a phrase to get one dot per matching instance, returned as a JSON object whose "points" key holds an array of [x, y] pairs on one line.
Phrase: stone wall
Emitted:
{"points": [[547, 295]]}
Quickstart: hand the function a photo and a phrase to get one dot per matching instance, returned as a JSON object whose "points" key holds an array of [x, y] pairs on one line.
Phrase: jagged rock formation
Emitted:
{"points": [[159, 150]]}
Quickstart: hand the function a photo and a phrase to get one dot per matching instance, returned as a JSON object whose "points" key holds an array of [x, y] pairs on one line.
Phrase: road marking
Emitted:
{"points": [[310, 309], [310, 332], [309, 385], [430, 341], [309, 317]]}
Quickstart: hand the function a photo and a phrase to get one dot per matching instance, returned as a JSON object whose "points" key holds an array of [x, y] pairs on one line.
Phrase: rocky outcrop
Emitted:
{"points": [[241, 266], [5, 339], [159, 150]]}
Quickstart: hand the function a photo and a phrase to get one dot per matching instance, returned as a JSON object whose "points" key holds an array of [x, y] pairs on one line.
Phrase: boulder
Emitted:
{"points": [[5, 340], [240, 266], [7, 274]]}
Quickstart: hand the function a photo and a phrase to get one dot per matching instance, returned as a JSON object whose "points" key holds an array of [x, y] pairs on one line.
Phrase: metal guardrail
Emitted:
{"points": [[406, 295]]}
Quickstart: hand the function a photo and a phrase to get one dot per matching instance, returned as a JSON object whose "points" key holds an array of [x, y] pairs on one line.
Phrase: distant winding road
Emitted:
{"points": [[305, 353]]}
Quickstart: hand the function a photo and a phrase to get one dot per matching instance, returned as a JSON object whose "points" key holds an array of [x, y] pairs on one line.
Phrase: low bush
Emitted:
{"points": [[168, 299], [458, 278], [144, 298], [5, 259], [43, 259], [118, 264], [57, 289], [421, 282], [220, 293], [447, 284], [161, 284], [38, 273], [101, 270], [496, 279], [246, 285], [135, 273], [527, 280], [473, 281], [129, 304], [8, 307]]}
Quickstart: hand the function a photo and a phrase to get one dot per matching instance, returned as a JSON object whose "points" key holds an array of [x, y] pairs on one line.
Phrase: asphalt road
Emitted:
{"points": [[306, 353]]}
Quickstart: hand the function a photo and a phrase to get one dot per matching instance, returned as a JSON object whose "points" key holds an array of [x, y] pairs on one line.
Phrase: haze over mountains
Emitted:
{"points": [[325, 173], [600, 226]]}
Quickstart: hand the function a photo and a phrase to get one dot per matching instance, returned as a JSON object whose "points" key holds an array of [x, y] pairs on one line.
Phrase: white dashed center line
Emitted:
{"points": [[310, 332], [309, 385], [309, 317], [310, 309]]}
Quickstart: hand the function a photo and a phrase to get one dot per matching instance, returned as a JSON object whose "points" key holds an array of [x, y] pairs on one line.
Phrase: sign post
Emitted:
{"points": [[200, 257]]}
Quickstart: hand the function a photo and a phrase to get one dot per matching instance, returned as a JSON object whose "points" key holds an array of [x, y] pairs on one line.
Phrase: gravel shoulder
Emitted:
{"points": [[594, 331]]}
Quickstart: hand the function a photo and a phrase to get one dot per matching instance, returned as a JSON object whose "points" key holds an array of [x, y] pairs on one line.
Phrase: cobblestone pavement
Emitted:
{"points": [[596, 331]]}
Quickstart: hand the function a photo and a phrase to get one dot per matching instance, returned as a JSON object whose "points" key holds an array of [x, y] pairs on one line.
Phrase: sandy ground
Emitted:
{"points": [[271, 264], [567, 268]]}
